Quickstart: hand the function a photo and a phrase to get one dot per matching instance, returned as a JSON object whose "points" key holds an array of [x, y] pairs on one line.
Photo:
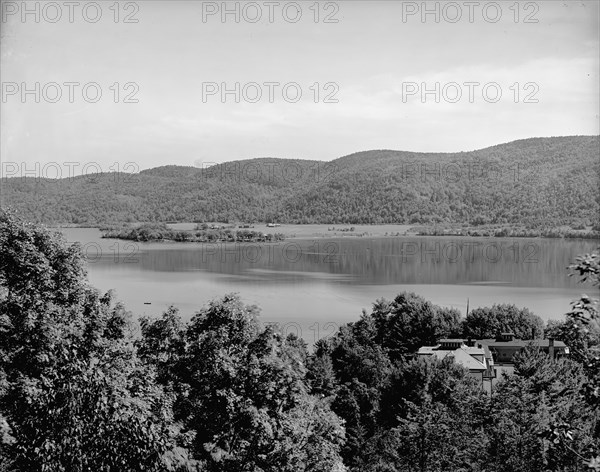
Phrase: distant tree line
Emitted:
{"points": [[80, 391], [580, 232], [161, 232]]}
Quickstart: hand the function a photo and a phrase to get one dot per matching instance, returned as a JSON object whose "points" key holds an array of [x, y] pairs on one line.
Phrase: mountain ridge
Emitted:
{"points": [[531, 182]]}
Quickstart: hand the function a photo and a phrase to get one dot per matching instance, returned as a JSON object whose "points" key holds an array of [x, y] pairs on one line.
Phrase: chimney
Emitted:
{"points": [[551, 348]]}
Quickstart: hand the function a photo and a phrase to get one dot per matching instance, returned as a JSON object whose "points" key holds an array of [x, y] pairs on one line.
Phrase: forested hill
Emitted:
{"points": [[532, 182]]}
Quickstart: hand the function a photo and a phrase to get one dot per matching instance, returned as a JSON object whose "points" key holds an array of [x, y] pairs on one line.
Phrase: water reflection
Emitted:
{"points": [[303, 282], [535, 263]]}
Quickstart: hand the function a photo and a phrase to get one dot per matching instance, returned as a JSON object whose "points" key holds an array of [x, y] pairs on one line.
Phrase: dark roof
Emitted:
{"points": [[486, 350], [520, 343]]}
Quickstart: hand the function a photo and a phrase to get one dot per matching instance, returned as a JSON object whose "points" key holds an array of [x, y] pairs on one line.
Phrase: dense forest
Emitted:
{"points": [[534, 184], [84, 386]]}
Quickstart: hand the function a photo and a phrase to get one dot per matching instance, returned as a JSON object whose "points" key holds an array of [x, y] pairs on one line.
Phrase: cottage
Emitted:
{"points": [[475, 357], [487, 359], [504, 347]]}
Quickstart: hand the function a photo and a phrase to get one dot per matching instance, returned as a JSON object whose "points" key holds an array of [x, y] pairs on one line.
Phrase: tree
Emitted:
{"points": [[73, 394], [539, 419], [584, 320], [321, 374], [482, 323], [410, 321], [359, 367], [580, 338], [241, 392], [432, 417]]}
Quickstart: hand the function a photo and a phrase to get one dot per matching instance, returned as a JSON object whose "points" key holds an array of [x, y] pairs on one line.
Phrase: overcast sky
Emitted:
{"points": [[375, 60]]}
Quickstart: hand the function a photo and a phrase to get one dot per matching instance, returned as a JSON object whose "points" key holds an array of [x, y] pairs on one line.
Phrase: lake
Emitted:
{"points": [[311, 286]]}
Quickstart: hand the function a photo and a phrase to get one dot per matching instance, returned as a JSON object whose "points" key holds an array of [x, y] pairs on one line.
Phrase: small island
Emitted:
{"points": [[202, 233]]}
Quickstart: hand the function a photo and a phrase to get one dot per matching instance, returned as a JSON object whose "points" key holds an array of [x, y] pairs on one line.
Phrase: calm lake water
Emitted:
{"points": [[311, 286]]}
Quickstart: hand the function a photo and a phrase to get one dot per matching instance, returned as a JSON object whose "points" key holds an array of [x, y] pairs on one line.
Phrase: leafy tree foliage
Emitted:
{"points": [[78, 394], [408, 322], [540, 420], [73, 395], [355, 366], [581, 339], [484, 323], [415, 414], [583, 326], [241, 392], [220, 393], [433, 414], [548, 412]]}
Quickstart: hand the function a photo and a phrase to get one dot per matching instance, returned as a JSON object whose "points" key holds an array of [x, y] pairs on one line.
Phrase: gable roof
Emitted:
{"points": [[460, 356]]}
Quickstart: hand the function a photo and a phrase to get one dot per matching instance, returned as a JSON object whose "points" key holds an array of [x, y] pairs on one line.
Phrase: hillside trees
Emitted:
{"points": [[220, 393], [73, 394], [355, 366], [240, 391], [432, 419], [78, 394], [584, 319], [548, 414], [539, 419], [524, 183]]}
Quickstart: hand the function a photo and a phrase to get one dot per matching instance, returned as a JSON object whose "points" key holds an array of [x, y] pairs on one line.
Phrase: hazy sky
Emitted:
{"points": [[376, 59]]}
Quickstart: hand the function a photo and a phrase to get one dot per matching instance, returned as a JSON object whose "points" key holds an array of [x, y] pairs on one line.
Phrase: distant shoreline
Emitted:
{"points": [[331, 231]]}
